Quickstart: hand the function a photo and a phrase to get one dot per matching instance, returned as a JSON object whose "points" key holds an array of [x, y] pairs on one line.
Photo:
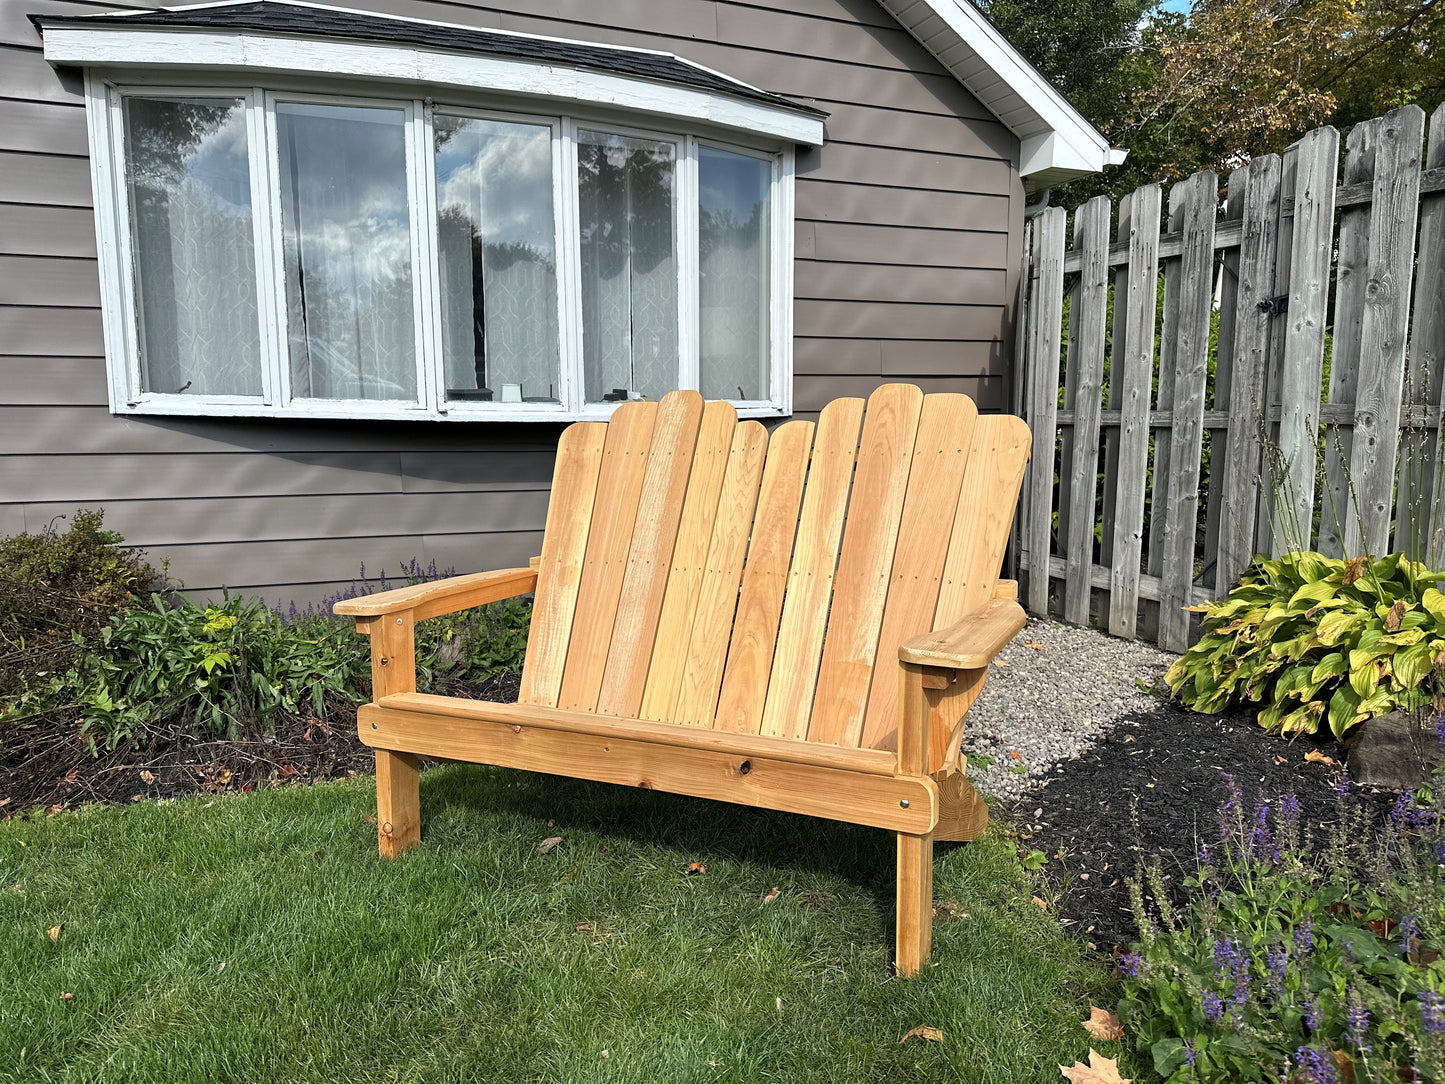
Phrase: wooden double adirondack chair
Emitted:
{"points": [[708, 621]]}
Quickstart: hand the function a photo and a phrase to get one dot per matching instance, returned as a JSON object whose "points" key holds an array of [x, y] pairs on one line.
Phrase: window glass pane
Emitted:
{"points": [[497, 240], [189, 187], [347, 246], [629, 265], [734, 225]]}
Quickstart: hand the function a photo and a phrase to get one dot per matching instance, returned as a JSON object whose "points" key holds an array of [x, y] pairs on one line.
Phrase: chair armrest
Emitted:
{"points": [[443, 596], [970, 644]]}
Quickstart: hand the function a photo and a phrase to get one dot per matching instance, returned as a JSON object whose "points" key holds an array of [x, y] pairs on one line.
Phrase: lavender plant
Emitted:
{"points": [[1296, 959]]}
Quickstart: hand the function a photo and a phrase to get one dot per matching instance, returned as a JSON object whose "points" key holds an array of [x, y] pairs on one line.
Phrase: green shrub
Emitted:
{"points": [[1314, 638], [85, 562], [1288, 963]]}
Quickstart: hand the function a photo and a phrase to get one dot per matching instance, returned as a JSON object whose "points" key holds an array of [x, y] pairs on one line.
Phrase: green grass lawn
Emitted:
{"points": [[261, 938]]}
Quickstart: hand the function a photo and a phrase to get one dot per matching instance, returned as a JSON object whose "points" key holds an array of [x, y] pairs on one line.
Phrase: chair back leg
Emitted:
{"points": [[398, 802]]}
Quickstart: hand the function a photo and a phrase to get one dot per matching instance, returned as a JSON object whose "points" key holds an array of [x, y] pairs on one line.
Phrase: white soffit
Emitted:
{"points": [[1056, 143]]}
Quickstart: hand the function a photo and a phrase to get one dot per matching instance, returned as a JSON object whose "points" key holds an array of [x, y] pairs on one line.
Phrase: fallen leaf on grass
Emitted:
{"points": [[1040, 904], [364, 816], [1100, 1070], [773, 894], [548, 845], [1314, 756], [695, 869], [67, 996], [584, 927], [933, 1035], [147, 777], [54, 932], [1102, 1024]]}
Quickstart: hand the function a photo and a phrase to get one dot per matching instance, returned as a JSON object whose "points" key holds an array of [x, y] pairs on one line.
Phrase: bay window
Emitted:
{"points": [[297, 253]]}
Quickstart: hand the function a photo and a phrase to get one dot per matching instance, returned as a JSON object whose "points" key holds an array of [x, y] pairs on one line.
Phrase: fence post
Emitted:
{"points": [[1248, 408], [1304, 344], [1089, 310], [1045, 318], [1420, 517], [1133, 383], [1196, 198], [1386, 316]]}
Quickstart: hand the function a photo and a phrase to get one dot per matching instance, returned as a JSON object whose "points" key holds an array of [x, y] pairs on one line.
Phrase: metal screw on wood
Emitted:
{"points": [[903, 802], [398, 621], [373, 726]]}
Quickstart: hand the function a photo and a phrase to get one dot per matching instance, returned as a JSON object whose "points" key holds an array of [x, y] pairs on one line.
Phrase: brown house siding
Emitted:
{"points": [[908, 228]]}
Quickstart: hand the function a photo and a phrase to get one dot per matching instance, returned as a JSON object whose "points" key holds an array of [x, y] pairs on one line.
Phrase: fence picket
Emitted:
{"points": [[1196, 198], [1350, 272], [1164, 393], [1089, 310], [1133, 383], [1226, 301], [1116, 367], [1247, 405], [1394, 209], [1304, 344], [1046, 314], [1420, 516]]}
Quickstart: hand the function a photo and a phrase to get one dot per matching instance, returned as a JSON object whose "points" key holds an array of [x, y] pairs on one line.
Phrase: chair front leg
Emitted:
{"points": [[398, 785], [915, 853]]}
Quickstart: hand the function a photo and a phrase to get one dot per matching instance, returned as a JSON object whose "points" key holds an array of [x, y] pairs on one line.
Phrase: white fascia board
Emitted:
{"points": [[1071, 143], [154, 48]]}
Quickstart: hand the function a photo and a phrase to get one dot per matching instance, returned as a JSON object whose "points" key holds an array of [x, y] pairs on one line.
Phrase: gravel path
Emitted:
{"points": [[1054, 691]]}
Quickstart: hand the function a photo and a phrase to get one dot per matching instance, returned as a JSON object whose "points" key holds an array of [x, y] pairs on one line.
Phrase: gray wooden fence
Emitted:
{"points": [[1251, 376]]}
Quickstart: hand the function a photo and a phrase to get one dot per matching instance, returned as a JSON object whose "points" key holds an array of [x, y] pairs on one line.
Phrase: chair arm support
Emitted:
{"points": [[443, 596], [970, 644]]}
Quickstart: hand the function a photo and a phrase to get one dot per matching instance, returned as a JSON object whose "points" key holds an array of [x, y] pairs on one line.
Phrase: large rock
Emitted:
{"points": [[1398, 751]]}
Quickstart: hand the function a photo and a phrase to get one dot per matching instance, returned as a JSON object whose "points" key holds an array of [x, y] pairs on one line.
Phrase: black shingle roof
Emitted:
{"points": [[277, 16]]}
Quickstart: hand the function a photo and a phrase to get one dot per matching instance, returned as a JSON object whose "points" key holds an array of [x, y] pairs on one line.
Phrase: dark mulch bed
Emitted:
{"points": [[48, 766], [1167, 765]]}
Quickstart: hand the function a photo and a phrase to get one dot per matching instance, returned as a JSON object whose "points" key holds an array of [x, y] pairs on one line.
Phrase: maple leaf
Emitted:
{"points": [[147, 777], [1100, 1070], [773, 894], [54, 931], [1102, 1024], [695, 869], [1316, 757], [548, 845], [933, 1035]]}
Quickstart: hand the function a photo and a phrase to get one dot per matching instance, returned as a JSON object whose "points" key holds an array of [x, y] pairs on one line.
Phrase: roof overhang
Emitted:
{"points": [[247, 36], [1056, 143]]}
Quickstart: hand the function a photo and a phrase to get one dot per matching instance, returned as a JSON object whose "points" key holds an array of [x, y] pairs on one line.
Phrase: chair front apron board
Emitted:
{"points": [[796, 620]]}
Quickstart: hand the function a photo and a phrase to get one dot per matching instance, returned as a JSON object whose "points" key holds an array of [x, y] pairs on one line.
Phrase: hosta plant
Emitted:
{"points": [[1312, 639]]}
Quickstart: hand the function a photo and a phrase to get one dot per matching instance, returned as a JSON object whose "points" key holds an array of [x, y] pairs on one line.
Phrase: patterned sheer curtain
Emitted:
{"points": [[346, 234], [734, 226], [192, 242], [497, 239], [629, 265]]}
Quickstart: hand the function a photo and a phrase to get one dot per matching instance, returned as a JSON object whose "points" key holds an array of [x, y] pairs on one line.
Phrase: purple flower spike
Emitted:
{"points": [[1432, 1012], [1318, 1066], [1129, 964], [1356, 1023], [1304, 936], [1189, 1054], [1213, 1007], [1342, 785], [1278, 961], [1313, 1016], [1409, 930]]}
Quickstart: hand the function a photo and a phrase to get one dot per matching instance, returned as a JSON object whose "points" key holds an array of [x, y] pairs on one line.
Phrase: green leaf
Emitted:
{"points": [[1332, 665], [1169, 1054], [1434, 602], [1364, 676], [1344, 708], [1337, 623]]}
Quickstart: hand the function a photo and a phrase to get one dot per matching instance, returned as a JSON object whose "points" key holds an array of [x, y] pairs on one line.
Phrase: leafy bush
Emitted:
{"points": [[217, 670], [1292, 964], [1313, 637], [86, 562]]}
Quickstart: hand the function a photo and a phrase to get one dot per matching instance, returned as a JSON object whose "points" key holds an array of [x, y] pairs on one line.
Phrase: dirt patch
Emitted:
{"points": [[48, 766]]}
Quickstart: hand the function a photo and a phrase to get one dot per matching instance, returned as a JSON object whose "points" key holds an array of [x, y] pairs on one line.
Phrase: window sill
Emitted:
{"points": [[173, 406]]}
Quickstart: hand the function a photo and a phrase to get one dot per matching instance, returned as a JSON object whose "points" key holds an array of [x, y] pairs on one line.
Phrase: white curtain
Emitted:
{"points": [[192, 240], [629, 265], [734, 226], [347, 249]]}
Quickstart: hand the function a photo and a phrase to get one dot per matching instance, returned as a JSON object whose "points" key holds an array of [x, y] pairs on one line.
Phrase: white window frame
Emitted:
{"points": [[106, 89]]}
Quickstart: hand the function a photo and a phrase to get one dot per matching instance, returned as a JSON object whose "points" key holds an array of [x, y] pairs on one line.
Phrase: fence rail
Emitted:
{"points": [[1241, 377]]}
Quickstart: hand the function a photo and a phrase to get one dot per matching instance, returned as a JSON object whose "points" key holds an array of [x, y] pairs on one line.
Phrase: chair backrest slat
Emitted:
{"points": [[765, 579], [850, 645], [810, 576], [689, 560], [649, 557], [619, 485], [707, 643], [945, 438], [702, 571], [564, 547]]}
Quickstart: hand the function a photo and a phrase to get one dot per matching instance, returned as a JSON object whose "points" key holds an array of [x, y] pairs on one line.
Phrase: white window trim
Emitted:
{"points": [[104, 91]]}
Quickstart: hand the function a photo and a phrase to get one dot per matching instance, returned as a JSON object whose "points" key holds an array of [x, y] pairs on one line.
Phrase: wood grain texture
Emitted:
{"points": [[861, 583], [1384, 327], [941, 451], [1045, 316], [1132, 372], [914, 897], [609, 534], [564, 549], [810, 576], [754, 778], [649, 556], [706, 648], [440, 597], [1420, 518], [1198, 196], [765, 580], [689, 560], [970, 644]]}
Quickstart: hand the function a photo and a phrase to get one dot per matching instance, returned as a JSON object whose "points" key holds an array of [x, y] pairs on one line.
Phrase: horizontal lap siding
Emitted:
{"points": [[907, 222]]}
